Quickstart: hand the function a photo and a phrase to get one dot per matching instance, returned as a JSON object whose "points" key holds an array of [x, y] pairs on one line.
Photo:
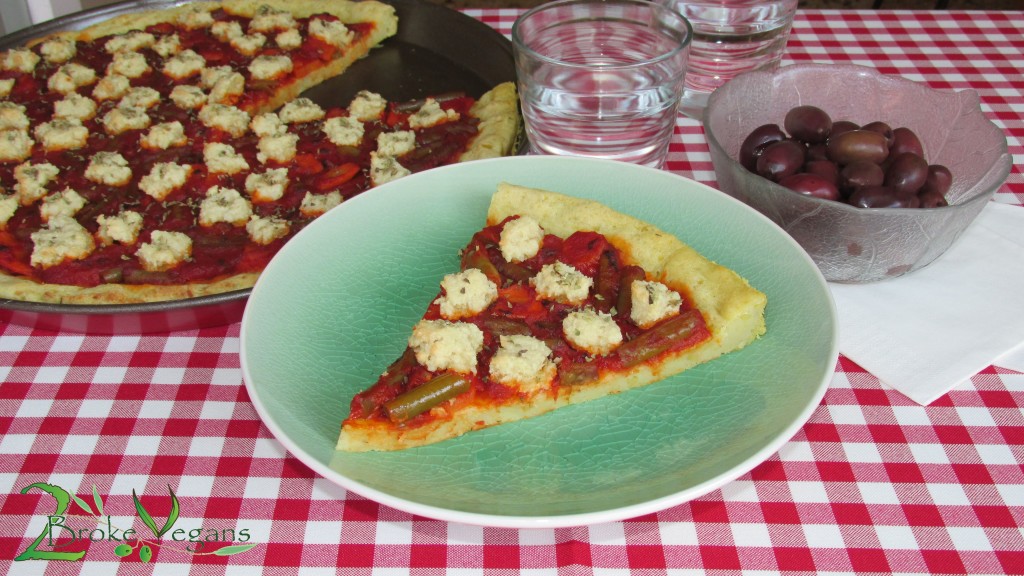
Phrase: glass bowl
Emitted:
{"points": [[849, 244]]}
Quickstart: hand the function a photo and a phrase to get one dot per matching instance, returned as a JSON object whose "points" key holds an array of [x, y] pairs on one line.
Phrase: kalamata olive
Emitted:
{"points": [[905, 140], [756, 142], [938, 181], [860, 173], [906, 173], [827, 169], [780, 159], [883, 129], [857, 145], [808, 124], [879, 197], [811, 185], [931, 199], [840, 126], [817, 152]]}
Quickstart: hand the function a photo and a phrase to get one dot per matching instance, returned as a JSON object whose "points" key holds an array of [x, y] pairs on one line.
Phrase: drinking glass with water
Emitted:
{"points": [[731, 37], [601, 78]]}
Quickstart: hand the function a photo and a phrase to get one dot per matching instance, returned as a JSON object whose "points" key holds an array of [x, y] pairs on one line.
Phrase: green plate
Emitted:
{"points": [[336, 305]]}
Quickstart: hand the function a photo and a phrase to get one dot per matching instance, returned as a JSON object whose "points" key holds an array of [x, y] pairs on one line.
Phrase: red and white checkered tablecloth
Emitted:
{"points": [[872, 484]]}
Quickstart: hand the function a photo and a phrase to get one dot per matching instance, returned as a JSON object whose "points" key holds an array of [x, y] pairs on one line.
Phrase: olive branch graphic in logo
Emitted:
{"points": [[129, 541]]}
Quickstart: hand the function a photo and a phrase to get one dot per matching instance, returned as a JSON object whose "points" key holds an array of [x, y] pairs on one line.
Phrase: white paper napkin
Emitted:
{"points": [[928, 331], [1013, 360]]}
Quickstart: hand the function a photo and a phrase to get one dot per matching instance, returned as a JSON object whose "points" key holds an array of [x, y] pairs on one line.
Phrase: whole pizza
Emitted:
{"points": [[169, 154]]}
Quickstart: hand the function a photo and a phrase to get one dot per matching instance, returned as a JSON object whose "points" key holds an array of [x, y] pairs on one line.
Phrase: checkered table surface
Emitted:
{"points": [[873, 483]]}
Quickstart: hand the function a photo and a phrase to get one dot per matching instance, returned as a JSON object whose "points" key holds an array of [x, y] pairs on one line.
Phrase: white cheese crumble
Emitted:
{"points": [[289, 39], [20, 60], [278, 148], [164, 135], [168, 45], [164, 251], [332, 32], [224, 205], [367, 106], [300, 110], [384, 168], [122, 119], [62, 134], [226, 31], [396, 144], [8, 206], [523, 362], [32, 180], [142, 97], [268, 124], [63, 238], [69, 77], [188, 97], [267, 186], [13, 117], [266, 229], [128, 64], [6, 85], [194, 17], [229, 119], [111, 87], [223, 159], [209, 76], [58, 50], [64, 203], [593, 332], [227, 89], [344, 131], [562, 283], [249, 44], [466, 293], [76, 106], [269, 67], [164, 178], [129, 42], [431, 114], [652, 302], [268, 19], [15, 145], [123, 228], [520, 239], [109, 168], [314, 205], [184, 64], [441, 345]]}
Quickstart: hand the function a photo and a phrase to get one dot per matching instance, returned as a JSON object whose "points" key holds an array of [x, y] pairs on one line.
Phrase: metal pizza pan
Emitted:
{"points": [[437, 50]]}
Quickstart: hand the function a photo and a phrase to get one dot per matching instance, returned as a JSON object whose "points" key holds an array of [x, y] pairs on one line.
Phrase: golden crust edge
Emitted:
{"points": [[346, 10], [498, 111], [733, 310], [25, 290]]}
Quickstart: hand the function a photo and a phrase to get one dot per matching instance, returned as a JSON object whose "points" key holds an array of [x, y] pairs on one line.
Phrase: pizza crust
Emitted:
{"points": [[732, 309], [498, 111]]}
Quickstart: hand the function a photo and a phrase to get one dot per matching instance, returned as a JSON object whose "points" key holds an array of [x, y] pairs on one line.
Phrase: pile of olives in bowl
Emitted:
{"points": [[869, 166]]}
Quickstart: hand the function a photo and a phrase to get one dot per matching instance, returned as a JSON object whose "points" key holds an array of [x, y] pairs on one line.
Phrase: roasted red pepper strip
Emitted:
{"points": [[335, 177]]}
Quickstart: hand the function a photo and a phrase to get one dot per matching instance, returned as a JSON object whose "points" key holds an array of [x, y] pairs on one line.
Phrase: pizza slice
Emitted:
{"points": [[559, 300]]}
